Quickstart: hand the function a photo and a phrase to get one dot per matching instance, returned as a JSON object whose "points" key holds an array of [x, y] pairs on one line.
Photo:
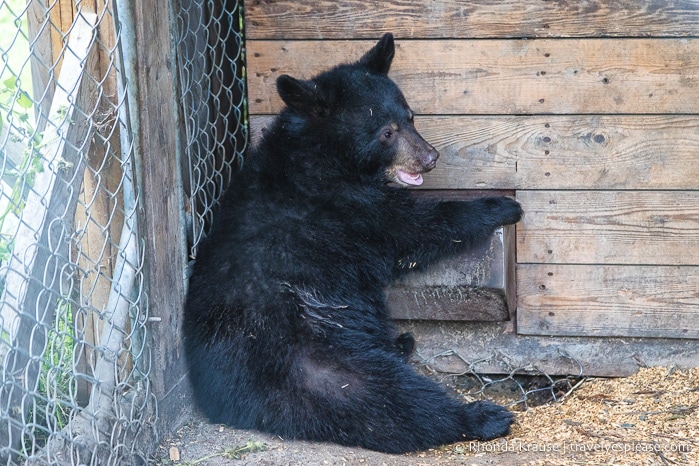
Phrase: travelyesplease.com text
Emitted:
{"points": [[579, 447]]}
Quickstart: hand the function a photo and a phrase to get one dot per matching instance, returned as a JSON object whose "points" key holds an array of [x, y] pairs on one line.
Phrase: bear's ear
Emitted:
{"points": [[303, 97], [378, 59]]}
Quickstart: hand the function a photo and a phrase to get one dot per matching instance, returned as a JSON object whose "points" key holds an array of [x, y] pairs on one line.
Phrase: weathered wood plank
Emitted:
{"points": [[494, 348], [328, 19], [564, 152], [558, 151], [594, 300], [471, 286], [609, 227], [162, 207], [588, 76]]}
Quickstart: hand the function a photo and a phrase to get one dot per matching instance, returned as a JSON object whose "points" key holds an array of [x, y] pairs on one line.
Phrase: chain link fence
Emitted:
{"points": [[74, 350], [73, 313], [211, 83], [515, 386]]}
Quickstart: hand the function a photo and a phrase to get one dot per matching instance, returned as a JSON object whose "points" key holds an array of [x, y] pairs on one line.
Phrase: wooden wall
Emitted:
{"points": [[589, 110]]}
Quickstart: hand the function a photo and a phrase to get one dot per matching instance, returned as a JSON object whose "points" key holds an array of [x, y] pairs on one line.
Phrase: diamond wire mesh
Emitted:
{"points": [[210, 49], [517, 386], [73, 312], [73, 354]]}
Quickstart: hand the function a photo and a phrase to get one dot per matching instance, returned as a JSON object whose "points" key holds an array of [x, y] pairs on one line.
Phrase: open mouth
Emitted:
{"points": [[412, 179]]}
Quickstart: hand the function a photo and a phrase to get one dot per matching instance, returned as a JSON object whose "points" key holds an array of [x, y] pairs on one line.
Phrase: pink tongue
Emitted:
{"points": [[414, 179]]}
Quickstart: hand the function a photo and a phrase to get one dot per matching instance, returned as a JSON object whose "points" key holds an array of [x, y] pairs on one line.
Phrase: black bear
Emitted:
{"points": [[286, 326]]}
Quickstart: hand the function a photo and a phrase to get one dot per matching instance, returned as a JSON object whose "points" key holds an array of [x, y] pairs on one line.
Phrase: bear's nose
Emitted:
{"points": [[429, 158]]}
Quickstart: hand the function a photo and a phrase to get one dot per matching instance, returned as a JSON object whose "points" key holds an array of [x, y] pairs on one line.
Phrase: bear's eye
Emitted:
{"points": [[387, 135]]}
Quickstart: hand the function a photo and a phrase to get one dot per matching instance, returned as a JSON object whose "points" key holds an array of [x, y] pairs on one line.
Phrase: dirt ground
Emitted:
{"points": [[651, 418]]}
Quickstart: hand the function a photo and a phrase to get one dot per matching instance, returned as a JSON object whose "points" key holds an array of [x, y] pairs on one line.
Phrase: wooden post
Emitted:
{"points": [[161, 226]]}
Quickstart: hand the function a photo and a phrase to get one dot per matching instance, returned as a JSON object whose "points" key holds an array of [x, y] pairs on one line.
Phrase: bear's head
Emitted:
{"points": [[355, 114]]}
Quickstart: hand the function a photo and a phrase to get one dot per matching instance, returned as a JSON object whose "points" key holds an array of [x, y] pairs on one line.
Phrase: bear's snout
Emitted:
{"points": [[429, 157]]}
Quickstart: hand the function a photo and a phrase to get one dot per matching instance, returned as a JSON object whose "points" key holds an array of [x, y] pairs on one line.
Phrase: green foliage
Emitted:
{"points": [[232, 453], [14, 40], [17, 110], [52, 407], [16, 118]]}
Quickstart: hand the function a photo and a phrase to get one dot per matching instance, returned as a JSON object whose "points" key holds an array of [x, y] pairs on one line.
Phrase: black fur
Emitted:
{"points": [[286, 328]]}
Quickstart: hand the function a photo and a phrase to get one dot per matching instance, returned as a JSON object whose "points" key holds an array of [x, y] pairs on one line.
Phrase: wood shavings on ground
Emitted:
{"points": [[651, 418], [647, 419]]}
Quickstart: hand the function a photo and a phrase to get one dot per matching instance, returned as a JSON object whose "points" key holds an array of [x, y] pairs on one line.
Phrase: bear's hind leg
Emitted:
{"points": [[377, 401]]}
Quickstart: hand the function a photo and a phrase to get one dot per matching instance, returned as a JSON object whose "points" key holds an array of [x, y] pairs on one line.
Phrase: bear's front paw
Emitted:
{"points": [[512, 211], [502, 210]]}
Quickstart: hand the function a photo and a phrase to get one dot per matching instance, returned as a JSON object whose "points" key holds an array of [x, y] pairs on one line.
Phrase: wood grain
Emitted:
{"points": [[470, 286], [593, 300], [609, 227], [513, 77], [564, 152], [558, 151], [99, 211], [327, 19], [495, 348], [47, 50], [161, 212]]}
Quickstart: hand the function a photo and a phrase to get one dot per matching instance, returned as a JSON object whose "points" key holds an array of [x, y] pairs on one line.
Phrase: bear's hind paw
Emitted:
{"points": [[487, 421]]}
